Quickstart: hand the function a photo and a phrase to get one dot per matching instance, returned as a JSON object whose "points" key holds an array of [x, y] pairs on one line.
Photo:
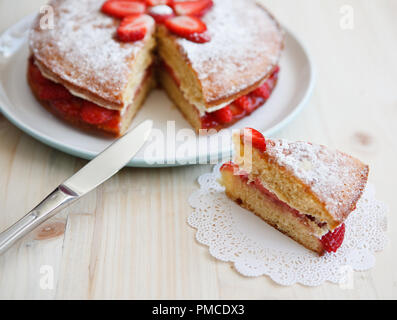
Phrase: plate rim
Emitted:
{"points": [[140, 163]]}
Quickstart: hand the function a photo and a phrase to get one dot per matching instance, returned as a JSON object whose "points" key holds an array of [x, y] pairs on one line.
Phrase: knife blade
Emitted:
{"points": [[97, 171]]}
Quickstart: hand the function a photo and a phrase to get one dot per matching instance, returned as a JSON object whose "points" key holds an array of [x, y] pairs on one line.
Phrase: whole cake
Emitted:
{"points": [[304, 190], [217, 60]]}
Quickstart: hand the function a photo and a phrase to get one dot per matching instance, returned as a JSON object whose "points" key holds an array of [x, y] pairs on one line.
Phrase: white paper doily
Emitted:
{"points": [[236, 235]]}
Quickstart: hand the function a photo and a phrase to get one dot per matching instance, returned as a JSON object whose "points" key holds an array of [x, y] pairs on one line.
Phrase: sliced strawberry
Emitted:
{"points": [[229, 166], [185, 26], [246, 103], [94, 114], [263, 91], [223, 115], [54, 91], [199, 37], [158, 2], [193, 8], [208, 121], [334, 239], [161, 13], [254, 137], [123, 8], [134, 28]]}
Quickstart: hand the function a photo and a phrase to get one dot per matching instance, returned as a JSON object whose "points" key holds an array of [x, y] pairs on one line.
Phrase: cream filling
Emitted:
{"points": [[85, 97], [315, 224], [202, 109]]}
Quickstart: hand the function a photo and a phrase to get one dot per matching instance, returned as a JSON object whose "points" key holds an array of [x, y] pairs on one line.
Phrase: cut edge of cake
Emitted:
{"points": [[319, 208], [282, 218]]}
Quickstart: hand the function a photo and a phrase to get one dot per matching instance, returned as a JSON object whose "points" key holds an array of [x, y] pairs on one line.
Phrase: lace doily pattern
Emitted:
{"points": [[235, 235]]}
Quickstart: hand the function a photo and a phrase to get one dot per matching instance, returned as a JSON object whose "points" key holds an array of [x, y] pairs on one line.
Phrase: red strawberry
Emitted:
{"points": [[223, 115], [185, 26], [229, 166], [123, 8], [245, 103], [254, 137], [94, 114], [134, 28], [54, 91], [263, 91], [193, 8], [158, 2], [333, 239], [208, 121], [161, 13], [199, 37]]}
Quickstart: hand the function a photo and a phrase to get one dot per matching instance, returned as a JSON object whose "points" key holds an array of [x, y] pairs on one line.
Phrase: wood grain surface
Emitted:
{"points": [[129, 239]]}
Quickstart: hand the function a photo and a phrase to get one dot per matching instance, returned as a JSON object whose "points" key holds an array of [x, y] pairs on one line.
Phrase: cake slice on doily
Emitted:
{"points": [[302, 189]]}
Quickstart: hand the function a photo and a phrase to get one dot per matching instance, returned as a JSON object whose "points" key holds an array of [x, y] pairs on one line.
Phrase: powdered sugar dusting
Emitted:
{"points": [[336, 178], [82, 50], [245, 45]]}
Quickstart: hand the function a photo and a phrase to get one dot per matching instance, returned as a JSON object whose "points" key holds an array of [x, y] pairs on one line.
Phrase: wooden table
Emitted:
{"points": [[129, 239]]}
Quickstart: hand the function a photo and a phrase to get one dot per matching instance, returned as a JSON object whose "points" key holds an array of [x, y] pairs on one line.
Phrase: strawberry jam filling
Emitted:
{"points": [[71, 108], [241, 107], [330, 241]]}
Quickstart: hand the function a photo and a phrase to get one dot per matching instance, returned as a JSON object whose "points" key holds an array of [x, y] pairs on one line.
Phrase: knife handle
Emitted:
{"points": [[58, 199]]}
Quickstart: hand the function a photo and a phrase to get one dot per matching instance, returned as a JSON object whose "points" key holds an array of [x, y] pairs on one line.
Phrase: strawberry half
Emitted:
{"points": [[245, 103], [123, 8], [263, 91], [185, 26], [223, 115], [134, 28], [334, 239], [193, 8], [254, 137], [229, 166]]}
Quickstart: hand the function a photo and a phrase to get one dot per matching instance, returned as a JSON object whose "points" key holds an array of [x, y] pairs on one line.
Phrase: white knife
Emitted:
{"points": [[100, 169]]}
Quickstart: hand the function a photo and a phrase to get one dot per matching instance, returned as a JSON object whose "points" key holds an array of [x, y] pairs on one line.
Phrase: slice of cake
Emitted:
{"points": [[302, 189]]}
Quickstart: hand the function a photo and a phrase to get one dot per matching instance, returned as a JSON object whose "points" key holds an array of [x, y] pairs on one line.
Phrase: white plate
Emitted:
{"points": [[20, 107]]}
